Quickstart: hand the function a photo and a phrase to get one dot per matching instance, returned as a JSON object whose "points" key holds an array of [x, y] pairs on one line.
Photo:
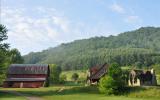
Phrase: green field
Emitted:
{"points": [[75, 91], [9, 96], [82, 74], [80, 93]]}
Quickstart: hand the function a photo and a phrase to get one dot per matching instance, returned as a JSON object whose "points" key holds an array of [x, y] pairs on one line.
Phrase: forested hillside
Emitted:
{"points": [[139, 48]]}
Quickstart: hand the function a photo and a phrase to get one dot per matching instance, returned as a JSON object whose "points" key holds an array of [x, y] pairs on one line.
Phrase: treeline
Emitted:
{"points": [[124, 57]]}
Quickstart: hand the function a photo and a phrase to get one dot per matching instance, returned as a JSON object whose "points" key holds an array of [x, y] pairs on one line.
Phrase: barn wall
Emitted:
{"points": [[27, 76], [23, 84]]}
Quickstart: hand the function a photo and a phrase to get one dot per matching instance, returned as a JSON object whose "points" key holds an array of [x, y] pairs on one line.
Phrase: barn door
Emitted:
{"points": [[21, 85], [10, 84]]}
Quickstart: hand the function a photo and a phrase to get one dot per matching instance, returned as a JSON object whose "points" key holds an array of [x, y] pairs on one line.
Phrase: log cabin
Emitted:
{"points": [[27, 76]]}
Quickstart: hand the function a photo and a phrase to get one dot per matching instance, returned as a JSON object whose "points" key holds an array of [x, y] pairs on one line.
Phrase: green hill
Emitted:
{"points": [[139, 47]]}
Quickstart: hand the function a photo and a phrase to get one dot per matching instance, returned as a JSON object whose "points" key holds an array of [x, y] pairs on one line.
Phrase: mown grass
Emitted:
{"points": [[82, 74], [76, 91], [91, 97], [145, 92], [89, 93], [10, 96]]}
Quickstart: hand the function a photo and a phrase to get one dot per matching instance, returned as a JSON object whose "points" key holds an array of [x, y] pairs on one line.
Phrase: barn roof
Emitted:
{"points": [[28, 69], [101, 72], [25, 79]]}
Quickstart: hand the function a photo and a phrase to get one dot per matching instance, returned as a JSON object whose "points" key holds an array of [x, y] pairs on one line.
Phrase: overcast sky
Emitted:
{"points": [[35, 25]]}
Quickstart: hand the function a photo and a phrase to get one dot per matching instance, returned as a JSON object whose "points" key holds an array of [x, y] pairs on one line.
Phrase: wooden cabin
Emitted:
{"points": [[96, 72], [27, 76], [141, 77]]}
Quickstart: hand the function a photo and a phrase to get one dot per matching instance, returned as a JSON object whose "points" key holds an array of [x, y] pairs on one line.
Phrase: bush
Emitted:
{"points": [[113, 83], [75, 76], [63, 78], [107, 85]]}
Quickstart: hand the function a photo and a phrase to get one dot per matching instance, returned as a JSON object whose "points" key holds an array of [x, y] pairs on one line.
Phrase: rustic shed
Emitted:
{"points": [[141, 77], [95, 73], [27, 76]]}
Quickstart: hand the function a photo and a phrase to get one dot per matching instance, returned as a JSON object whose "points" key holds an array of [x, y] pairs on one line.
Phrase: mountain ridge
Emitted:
{"points": [[144, 38]]}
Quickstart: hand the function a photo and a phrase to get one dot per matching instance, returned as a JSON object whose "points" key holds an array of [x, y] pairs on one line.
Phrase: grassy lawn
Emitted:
{"points": [[81, 73], [9, 96], [81, 93], [91, 97], [74, 91]]}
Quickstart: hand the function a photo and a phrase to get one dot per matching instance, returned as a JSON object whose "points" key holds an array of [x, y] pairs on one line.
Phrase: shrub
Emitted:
{"points": [[75, 76], [107, 85], [63, 78], [112, 83]]}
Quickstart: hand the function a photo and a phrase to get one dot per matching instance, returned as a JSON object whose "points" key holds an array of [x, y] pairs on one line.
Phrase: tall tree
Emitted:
{"points": [[3, 46], [15, 56], [3, 36], [7, 56], [55, 72]]}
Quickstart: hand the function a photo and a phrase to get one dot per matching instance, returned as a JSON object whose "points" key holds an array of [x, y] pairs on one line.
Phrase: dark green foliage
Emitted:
{"points": [[55, 72], [3, 47], [3, 52], [3, 36], [156, 67], [113, 82], [107, 85], [2, 60], [125, 76], [63, 78], [114, 71], [140, 48], [15, 57], [75, 77], [47, 83]]}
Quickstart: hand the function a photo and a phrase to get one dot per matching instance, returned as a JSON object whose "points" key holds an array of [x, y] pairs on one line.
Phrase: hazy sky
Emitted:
{"points": [[35, 25]]}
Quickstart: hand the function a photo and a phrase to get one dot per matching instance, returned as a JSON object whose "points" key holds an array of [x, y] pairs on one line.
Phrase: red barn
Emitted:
{"points": [[27, 76]]}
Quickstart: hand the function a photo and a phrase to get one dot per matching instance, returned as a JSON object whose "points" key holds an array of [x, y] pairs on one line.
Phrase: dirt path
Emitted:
{"points": [[61, 89], [28, 97]]}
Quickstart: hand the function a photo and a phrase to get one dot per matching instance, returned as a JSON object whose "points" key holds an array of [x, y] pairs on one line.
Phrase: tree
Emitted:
{"points": [[75, 76], [3, 36], [3, 47], [15, 56], [63, 78], [129, 48], [138, 64], [7, 56], [156, 67], [115, 71], [107, 85], [55, 72], [3, 51], [112, 83], [2, 60]]}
